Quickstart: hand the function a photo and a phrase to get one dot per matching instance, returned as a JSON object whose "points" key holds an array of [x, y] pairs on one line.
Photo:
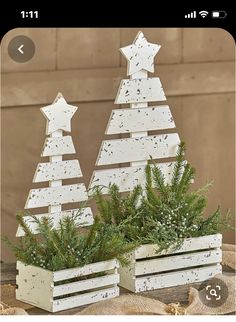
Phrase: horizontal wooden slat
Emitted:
{"points": [[140, 90], [140, 119], [85, 270], [83, 299], [189, 244], [58, 146], [84, 285], [176, 278], [85, 218], [189, 79], [56, 195], [178, 261], [138, 149], [57, 170], [128, 177]]}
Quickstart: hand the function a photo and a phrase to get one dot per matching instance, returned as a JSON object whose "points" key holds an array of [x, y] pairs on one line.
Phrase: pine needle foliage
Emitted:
{"points": [[164, 213], [69, 246]]}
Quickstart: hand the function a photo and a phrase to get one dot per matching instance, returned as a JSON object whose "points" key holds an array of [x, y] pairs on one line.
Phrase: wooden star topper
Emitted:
{"points": [[58, 115], [140, 54]]}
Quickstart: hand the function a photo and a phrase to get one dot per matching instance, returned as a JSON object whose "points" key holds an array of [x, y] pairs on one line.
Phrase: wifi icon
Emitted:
{"points": [[203, 13]]}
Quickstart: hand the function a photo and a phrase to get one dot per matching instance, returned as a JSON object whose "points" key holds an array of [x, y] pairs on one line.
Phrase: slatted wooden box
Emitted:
{"points": [[61, 290], [198, 259]]}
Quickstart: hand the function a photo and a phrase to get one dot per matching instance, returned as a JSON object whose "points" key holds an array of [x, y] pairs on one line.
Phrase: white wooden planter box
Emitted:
{"points": [[197, 260], [57, 291]]}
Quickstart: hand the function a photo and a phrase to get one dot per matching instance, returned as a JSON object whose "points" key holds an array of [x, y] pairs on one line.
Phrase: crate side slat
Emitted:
{"points": [[85, 284], [190, 244], [83, 299], [176, 278], [85, 270], [176, 262], [34, 285]]}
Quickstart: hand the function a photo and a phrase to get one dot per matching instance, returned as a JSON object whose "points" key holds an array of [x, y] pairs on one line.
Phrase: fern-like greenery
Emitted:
{"points": [[165, 213], [68, 246]]}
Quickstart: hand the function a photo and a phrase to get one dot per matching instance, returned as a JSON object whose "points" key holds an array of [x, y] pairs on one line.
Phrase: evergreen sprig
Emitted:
{"points": [[166, 212], [69, 245]]}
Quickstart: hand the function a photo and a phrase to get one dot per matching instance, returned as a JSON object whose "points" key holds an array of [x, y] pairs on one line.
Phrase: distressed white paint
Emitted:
{"points": [[84, 285], [36, 285], [85, 270], [58, 146], [197, 259], [53, 159], [58, 115], [127, 178], [187, 276], [140, 54], [44, 197], [138, 149], [189, 244], [57, 170], [140, 119], [88, 298], [167, 263], [140, 90], [82, 217]]}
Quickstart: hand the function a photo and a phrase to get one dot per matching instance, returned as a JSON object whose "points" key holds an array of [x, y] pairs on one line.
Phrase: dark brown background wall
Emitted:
{"points": [[196, 67]]}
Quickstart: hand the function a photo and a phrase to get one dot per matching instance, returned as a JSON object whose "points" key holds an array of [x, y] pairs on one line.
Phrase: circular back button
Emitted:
{"points": [[21, 49]]}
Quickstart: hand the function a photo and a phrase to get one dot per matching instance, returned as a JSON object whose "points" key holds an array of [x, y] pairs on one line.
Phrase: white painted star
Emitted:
{"points": [[140, 54], [58, 115]]}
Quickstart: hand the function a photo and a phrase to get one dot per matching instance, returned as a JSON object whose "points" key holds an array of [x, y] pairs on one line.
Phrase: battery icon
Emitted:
{"points": [[218, 14]]}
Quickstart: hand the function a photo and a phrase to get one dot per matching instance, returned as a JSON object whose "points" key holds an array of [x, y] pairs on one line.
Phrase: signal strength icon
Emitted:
{"points": [[203, 13], [191, 15]]}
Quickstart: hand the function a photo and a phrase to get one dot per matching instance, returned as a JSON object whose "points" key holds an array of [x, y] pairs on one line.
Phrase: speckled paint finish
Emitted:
{"points": [[140, 90], [58, 115], [198, 259], [58, 146], [45, 197], [140, 119], [57, 170], [127, 178], [83, 217], [138, 149], [37, 285], [140, 54]]}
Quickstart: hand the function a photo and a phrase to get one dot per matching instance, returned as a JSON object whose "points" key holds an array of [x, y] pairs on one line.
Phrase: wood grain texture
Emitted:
{"points": [[58, 146], [82, 217], [190, 79], [140, 119], [138, 149], [57, 170], [126, 178], [140, 90], [45, 197]]}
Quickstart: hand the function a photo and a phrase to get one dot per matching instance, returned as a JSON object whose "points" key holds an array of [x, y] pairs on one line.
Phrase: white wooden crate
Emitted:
{"points": [[198, 259], [61, 290]]}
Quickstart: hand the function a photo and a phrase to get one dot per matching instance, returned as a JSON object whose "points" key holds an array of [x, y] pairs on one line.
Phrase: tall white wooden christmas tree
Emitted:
{"points": [[56, 145], [137, 120]]}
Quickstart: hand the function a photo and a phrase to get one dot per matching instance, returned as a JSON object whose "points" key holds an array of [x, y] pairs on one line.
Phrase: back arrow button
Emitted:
{"points": [[20, 49]]}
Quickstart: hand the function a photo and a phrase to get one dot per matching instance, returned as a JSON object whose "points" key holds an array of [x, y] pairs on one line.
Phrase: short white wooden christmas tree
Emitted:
{"points": [[35, 284], [137, 120]]}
